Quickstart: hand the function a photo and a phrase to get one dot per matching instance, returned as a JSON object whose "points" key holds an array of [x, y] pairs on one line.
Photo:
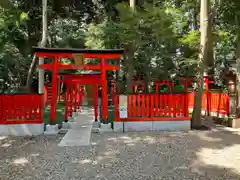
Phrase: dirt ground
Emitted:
{"points": [[193, 155]]}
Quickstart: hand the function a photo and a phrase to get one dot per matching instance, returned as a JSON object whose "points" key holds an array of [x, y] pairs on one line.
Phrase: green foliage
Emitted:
{"points": [[149, 30], [164, 34], [191, 39], [66, 33], [12, 33], [147, 24], [102, 36]]}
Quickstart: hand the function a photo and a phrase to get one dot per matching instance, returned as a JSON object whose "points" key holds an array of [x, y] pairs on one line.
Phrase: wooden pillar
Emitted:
{"points": [[207, 93], [54, 89], [95, 87], [71, 99], [112, 91], [104, 90], [186, 97], [66, 103], [75, 97], [80, 97], [59, 89], [157, 88]]}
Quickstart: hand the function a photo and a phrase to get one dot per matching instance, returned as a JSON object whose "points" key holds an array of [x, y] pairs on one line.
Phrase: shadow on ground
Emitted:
{"points": [[164, 155]]}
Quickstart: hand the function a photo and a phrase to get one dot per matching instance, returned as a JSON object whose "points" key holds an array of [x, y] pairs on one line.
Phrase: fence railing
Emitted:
{"points": [[170, 106], [155, 105], [21, 108], [212, 102]]}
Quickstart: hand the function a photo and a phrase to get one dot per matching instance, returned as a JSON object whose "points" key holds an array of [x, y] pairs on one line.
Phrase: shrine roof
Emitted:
{"points": [[81, 51]]}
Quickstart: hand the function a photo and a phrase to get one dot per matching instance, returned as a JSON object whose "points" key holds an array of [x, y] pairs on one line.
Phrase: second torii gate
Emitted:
{"points": [[74, 80]]}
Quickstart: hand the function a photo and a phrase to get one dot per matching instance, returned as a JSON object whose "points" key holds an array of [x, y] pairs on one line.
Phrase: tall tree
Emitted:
{"points": [[129, 55], [41, 44], [203, 57], [237, 55]]}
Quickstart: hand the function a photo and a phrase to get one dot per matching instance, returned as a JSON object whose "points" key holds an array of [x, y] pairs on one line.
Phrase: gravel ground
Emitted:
{"points": [[195, 155]]}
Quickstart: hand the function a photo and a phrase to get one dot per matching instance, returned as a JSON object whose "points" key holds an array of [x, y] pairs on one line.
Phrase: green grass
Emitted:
{"points": [[60, 108]]}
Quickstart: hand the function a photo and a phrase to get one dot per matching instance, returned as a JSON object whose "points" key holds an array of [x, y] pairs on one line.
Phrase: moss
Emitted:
{"points": [[60, 109]]}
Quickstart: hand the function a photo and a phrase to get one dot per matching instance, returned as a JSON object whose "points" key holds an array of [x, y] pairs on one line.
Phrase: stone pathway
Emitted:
{"points": [[80, 133]]}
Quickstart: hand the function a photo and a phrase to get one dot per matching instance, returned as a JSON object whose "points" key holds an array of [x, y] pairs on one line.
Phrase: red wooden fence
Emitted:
{"points": [[144, 107], [46, 95], [215, 102], [157, 107], [21, 109]]}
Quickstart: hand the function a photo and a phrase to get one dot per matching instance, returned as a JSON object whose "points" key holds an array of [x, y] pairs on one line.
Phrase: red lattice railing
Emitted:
{"points": [[215, 102], [144, 107], [157, 107], [21, 108]]}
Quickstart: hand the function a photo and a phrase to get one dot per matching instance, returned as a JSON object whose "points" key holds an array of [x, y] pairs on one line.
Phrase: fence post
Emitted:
{"points": [[95, 87], [40, 108], [152, 105], [186, 97], [116, 104], [207, 94], [66, 103]]}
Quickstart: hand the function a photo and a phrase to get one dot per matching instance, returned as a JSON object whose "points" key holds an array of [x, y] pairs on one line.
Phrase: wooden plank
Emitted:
{"points": [[148, 105], [156, 106], [78, 67], [152, 105], [70, 55], [139, 105]]}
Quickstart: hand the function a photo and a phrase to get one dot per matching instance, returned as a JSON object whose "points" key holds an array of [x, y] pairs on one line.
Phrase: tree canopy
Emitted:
{"points": [[161, 37]]}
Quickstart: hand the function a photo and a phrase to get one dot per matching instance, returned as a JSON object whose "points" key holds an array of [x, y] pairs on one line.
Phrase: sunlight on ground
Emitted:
{"points": [[132, 141], [210, 139], [85, 161], [6, 145], [110, 153], [125, 138], [100, 158], [112, 139], [93, 143], [228, 157], [104, 157], [20, 161], [150, 140], [2, 137], [206, 137], [35, 155]]}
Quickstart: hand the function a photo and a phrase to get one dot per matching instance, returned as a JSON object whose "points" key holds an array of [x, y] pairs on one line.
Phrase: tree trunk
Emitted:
{"points": [[129, 63], [203, 55], [41, 44], [30, 72], [238, 76], [133, 4], [237, 54], [196, 122], [130, 55], [209, 61]]}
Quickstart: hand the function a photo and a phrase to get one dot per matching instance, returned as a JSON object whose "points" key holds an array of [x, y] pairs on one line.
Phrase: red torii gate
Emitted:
{"points": [[57, 53], [81, 79]]}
